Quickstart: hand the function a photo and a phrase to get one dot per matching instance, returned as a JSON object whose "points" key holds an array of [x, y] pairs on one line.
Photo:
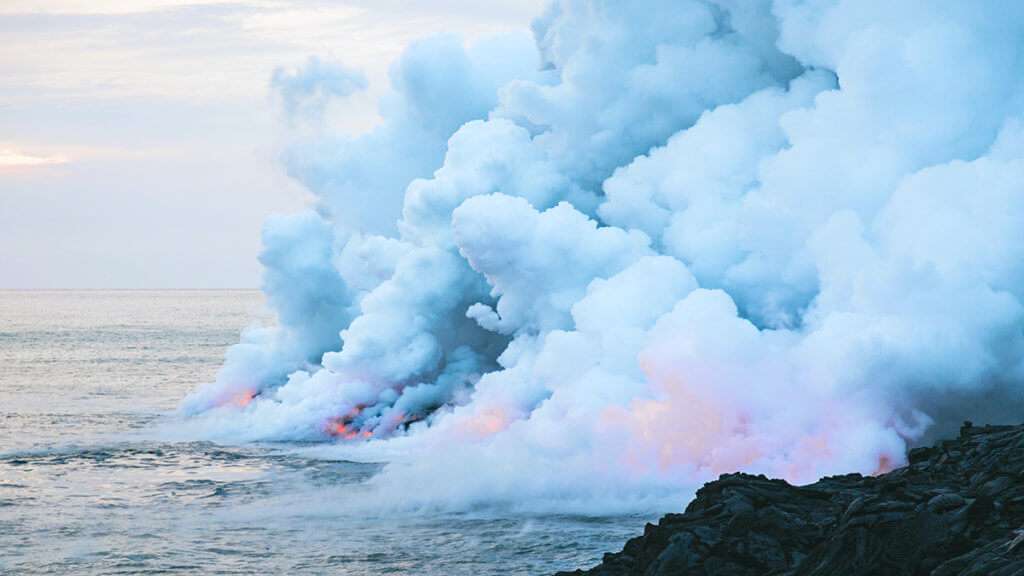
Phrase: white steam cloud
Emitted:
{"points": [[306, 90], [661, 241]]}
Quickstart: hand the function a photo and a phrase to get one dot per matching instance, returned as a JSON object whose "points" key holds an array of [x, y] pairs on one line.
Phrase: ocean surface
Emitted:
{"points": [[87, 485]]}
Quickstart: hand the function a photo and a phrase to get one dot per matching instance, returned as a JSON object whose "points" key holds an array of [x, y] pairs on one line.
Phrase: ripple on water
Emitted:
{"points": [[71, 504], [154, 507]]}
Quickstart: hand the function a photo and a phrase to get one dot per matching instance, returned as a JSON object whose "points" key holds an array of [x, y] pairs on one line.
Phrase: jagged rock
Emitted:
{"points": [[956, 509]]}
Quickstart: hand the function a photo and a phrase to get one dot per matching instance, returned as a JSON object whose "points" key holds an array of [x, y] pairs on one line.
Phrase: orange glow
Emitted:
{"points": [[241, 399], [487, 423], [696, 428], [885, 465], [683, 429], [341, 427]]}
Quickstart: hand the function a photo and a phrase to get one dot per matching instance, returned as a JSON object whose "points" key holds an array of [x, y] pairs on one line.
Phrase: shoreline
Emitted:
{"points": [[957, 508]]}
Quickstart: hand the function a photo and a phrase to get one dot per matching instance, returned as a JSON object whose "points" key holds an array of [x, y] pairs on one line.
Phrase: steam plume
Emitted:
{"points": [[662, 241]]}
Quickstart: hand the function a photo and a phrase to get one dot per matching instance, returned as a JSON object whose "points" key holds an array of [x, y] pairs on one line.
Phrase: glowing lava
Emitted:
{"points": [[344, 428], [240, 399], [341, 430]]}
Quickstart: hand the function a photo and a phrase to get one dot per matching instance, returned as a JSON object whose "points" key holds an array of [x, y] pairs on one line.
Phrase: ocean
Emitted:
{"points": [[90, 483]]}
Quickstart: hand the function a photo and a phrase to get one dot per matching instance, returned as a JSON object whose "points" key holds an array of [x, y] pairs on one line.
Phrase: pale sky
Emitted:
{"points": [[138, 138]]}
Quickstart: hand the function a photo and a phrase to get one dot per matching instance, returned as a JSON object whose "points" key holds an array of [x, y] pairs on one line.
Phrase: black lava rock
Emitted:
{"points": [[956, 509]]}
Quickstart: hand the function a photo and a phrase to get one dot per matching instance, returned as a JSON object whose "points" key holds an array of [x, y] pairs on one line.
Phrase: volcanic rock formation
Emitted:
{"points": [[956, 509]]}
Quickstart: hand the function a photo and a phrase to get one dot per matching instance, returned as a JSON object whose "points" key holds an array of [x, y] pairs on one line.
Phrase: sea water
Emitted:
{"points": [[88, 485]]}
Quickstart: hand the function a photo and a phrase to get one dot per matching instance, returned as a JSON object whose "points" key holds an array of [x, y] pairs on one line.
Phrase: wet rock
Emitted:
{"points": [[944, 502], [957, 509]]}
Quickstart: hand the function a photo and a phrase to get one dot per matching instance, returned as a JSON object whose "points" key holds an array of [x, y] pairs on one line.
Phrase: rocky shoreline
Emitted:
{"points": [[957, 508]]}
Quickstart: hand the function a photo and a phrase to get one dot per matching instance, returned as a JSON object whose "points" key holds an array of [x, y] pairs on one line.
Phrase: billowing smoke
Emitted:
{"points": [[660, 241]]}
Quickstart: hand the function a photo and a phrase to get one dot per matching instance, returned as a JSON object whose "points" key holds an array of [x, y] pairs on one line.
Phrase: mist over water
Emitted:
{"points": [[571, 275], [591, 267], [88, 487]]}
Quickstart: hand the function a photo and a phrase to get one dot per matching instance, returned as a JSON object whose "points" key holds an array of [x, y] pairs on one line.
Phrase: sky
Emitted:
{"points": [[139, 139]]}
